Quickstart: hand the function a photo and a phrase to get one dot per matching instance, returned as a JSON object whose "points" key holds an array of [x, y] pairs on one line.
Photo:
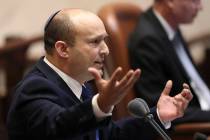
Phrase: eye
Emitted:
{"points": [[96, 41], [107, 39]]}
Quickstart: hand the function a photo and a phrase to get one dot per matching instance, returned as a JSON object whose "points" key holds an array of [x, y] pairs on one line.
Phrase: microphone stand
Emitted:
{"points": [[150, 119]]}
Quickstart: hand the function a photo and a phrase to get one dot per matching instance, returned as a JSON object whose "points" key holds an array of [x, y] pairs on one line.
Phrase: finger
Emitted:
{"points": [[134, 77], [126, 78], [183, 96], [180, 108], [186, 86], [129, 79], [115, 76], [186, 93], [167, 88], [181, 101]]}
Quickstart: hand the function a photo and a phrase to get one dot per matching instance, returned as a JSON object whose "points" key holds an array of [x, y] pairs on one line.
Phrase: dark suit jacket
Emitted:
{"points": [[151, 50], [45, 108]]}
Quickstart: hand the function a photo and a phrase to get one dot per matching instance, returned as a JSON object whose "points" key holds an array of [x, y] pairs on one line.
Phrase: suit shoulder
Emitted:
{"points": [[33, 85], [145, 27]]}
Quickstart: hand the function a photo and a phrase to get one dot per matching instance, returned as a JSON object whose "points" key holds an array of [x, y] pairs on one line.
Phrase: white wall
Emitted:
{"points": [[27, 17]]}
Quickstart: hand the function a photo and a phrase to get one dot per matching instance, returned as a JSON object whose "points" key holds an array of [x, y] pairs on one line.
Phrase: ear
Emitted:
{"points": [[62, 49]]}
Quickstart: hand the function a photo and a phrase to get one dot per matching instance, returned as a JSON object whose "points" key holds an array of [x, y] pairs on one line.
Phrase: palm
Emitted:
{"points": [[166, 106], [171, 108], [113, 90]]}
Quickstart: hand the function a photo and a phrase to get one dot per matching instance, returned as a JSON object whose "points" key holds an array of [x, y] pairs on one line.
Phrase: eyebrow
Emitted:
{"points": [[103, 36], [98, 36]]}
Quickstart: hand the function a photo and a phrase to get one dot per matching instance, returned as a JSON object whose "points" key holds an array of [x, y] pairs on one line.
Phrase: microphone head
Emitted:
{"points": [[138, 108], [199, 136]]}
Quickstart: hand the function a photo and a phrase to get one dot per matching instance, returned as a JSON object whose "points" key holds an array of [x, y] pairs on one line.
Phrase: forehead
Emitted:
{"points": [[89, 24]]}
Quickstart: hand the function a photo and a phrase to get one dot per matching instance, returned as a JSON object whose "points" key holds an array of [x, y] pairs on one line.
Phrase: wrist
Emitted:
{"points": [[103, 105]]}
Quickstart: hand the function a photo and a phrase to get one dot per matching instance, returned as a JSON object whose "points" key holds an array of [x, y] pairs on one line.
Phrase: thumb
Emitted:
{"points": [[167, 88]]}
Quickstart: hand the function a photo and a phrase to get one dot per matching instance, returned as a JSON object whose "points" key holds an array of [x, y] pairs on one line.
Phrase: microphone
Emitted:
{"points": [[139, 109], [199, 136]]}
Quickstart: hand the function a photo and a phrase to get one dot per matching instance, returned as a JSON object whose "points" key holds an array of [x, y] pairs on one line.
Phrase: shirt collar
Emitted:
{"points": [[74, 85], [169, 30]]}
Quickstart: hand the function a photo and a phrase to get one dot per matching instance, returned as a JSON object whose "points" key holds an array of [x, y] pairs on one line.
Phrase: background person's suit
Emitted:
{"points": [[45, 108], [151, 50]]}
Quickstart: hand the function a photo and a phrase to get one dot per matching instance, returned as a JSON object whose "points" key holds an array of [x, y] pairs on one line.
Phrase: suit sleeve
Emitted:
{"points": [[39, 105], [134, 128]]}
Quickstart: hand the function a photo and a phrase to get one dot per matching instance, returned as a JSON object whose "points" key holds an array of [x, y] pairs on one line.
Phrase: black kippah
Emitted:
{"points": [[50, 19]]}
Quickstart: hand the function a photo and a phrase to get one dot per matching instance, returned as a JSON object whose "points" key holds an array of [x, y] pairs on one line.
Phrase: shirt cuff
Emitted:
{"points": [[97, 111], [167, 124]]}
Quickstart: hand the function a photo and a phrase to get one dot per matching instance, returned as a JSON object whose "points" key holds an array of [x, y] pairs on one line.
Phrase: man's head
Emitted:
{"points": [[178, 11], [75, 41], [58, 27]]}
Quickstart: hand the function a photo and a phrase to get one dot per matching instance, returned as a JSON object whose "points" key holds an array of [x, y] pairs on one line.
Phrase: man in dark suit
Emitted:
{"points": [[52, 101], [158, 48]]}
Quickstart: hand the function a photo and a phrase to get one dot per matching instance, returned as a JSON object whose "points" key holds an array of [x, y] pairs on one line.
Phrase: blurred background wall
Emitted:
{"points": [[27, 17]]}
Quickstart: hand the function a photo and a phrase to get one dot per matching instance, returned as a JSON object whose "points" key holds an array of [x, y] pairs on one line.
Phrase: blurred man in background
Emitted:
{"points": [[158, 48]]}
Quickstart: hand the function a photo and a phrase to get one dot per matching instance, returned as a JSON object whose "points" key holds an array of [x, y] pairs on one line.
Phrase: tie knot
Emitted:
{"points": [[176, 36], [176, 40], [85, 93]]}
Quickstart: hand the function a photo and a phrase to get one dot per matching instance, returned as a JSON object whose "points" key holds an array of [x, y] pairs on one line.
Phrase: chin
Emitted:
{"points": [[188, 21], [100, 70], [89, 78]]}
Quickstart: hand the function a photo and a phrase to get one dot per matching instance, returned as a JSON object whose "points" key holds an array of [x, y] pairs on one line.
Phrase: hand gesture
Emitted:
{"points": [[170, 108], [112, 91]]}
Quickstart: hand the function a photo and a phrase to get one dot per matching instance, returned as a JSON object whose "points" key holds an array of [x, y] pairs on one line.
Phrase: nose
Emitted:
{"points": [[104, 49]]}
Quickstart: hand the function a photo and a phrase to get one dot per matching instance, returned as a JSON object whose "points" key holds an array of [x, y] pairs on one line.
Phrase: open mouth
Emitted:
{"points": [[99, 64]]}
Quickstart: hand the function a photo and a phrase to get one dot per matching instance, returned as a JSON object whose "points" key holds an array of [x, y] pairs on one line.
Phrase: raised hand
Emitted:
{"points": [[170, 108], [112, 91]]}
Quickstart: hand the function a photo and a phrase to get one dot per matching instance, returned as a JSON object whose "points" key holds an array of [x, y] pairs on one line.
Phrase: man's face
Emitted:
{"points": [[90, 48], [185, 11]]}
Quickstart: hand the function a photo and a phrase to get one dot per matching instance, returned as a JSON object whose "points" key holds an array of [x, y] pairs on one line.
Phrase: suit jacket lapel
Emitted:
{"points": [[168, 44], [54, 77]]}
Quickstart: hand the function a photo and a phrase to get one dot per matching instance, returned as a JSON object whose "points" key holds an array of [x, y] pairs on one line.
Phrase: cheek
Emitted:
{"points": [[183, 14], [92, 54], [188, 15], [180, 8]]}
